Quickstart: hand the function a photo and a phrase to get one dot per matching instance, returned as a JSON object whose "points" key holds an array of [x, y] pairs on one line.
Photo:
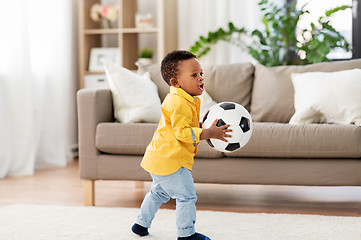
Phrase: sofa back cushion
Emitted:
{"points": [[227, 82], [273, 92], [230, 82], [154, 73]]}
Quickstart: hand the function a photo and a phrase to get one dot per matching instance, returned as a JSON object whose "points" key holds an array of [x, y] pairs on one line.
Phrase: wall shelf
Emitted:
{"points": [[101, 31], [126, 36]]}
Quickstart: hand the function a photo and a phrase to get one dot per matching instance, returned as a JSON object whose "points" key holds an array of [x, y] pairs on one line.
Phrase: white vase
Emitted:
{"points": [[144, 61]]}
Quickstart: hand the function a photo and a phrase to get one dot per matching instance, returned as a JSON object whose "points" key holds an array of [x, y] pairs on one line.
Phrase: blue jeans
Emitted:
{"points": [[179, 186]]}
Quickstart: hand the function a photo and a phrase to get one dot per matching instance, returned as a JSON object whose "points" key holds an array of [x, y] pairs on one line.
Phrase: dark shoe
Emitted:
{"points": [[196, 236], [140, 230]]}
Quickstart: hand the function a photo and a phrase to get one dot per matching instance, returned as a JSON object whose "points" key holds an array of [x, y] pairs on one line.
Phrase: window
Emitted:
{"points": [[341, 21], [347, 22], [356, 28]]}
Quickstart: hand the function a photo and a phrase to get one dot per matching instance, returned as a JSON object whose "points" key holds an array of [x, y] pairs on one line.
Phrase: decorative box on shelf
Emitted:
{"points": [[98, 81]]}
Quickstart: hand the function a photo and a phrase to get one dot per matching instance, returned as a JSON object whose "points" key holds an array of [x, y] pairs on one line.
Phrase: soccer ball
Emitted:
{"points": [[235, 115]]}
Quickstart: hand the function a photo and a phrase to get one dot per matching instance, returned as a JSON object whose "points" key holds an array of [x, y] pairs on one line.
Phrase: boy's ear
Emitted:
{"points": [[174, 82]]}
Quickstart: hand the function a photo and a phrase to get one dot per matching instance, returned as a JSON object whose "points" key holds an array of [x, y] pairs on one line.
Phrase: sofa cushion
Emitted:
{"points": [[230, 82], [205, 151], [273, 92], [119, 138], [133, 139], [238, 76], [206, 103], [327, 97], [154, 73], [302, 141], [135, 98]]}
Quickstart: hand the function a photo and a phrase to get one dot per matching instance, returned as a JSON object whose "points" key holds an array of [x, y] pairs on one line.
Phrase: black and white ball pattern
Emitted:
{"points": [[240, 122]]}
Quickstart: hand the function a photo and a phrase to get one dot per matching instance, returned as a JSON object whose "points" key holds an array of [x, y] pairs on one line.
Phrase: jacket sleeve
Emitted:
{"points": [[181, 121]]}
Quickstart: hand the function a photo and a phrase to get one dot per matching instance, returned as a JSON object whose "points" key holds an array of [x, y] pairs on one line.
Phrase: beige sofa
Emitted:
{"points": [[277, 154]]}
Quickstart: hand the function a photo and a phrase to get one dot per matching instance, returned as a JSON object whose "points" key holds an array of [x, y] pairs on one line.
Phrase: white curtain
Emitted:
{"points": [[198, 17], [37, 85]]}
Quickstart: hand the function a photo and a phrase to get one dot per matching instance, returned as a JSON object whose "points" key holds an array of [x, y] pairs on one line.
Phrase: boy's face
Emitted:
{"points": [[190, 77]]}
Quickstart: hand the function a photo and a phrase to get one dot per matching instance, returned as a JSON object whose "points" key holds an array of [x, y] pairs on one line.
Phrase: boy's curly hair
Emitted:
{"points": [[169, 67]]}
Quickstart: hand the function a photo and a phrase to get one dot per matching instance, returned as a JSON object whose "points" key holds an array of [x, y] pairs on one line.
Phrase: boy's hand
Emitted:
{"points": [[216, 132]]}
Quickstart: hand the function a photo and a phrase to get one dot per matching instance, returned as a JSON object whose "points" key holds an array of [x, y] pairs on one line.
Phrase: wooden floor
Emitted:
{"points": [[62, 186]]}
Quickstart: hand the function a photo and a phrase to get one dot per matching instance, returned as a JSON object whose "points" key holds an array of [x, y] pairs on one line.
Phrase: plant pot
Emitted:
{"points": [[144, 61]]}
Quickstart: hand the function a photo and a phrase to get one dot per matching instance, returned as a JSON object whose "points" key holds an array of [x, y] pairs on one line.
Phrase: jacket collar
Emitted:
{"points": [[182, 93]]}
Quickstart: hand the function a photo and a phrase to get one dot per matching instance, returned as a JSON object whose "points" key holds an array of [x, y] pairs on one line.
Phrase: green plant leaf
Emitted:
{"points": [[260, 36], [146, 53], [231, 27], [336, 9], [203, 39]]}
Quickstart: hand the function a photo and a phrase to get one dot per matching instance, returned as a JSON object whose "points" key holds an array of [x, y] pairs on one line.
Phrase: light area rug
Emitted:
{"points": [[40, 222]]}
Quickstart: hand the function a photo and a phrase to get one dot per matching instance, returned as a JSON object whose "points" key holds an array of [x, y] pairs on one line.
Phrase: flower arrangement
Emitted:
{"points": [[108, 13]]}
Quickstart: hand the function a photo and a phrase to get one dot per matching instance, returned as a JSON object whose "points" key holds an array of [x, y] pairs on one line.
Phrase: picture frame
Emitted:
{"points": [[98, 54]]}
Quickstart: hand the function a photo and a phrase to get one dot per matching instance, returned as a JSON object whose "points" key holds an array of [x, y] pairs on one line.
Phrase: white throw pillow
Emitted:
{"points": [[206, 103], [135, 98], [332, 97]]}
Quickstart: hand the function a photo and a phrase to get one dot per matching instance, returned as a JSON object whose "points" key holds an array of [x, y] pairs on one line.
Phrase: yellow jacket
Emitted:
{"points": [[175, 141]]}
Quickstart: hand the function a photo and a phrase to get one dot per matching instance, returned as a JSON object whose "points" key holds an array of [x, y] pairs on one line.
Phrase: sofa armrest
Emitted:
{"points": [[94, 106]]}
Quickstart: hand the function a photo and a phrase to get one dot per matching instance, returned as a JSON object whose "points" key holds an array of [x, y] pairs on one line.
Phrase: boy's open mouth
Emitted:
{"points": [[201, 87]]}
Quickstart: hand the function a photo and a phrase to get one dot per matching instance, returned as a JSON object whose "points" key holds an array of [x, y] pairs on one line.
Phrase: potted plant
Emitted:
{"points": [[145, 56], [278, 43]]}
